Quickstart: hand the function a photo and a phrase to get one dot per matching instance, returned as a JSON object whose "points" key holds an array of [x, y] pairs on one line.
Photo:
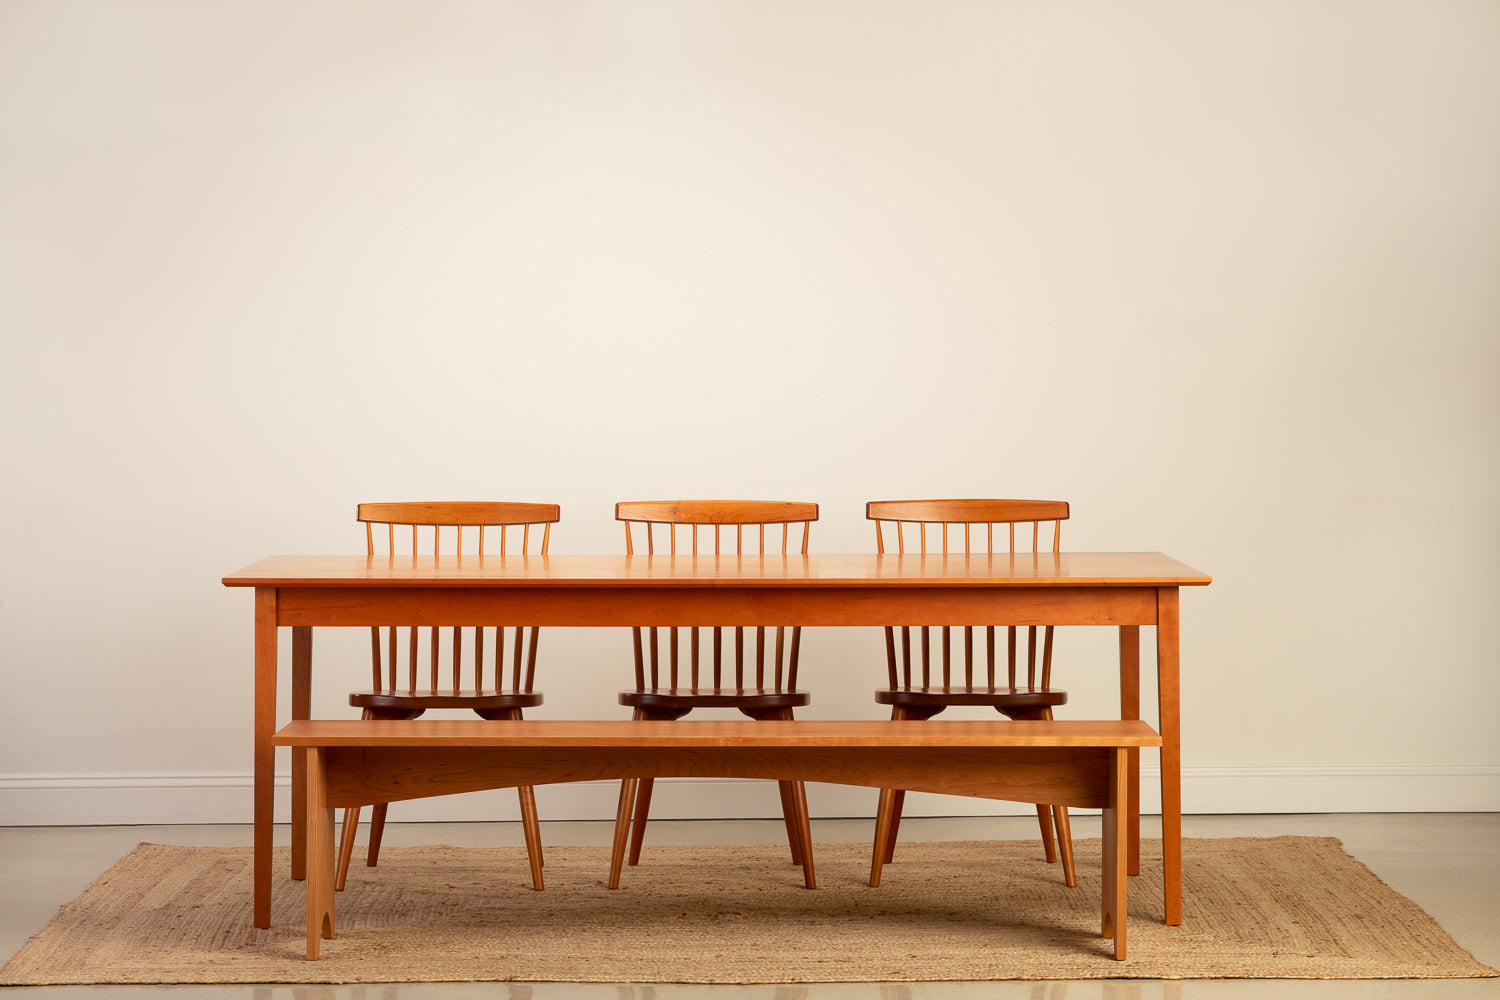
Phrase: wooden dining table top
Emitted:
{"points": [[1068, 569]]}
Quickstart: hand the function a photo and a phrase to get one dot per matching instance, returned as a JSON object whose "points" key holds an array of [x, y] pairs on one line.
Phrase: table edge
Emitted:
{"points": [[253, 576]]}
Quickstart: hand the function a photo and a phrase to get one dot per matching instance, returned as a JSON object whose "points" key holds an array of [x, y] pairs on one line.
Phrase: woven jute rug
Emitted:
{"points": [[1289, 907]]}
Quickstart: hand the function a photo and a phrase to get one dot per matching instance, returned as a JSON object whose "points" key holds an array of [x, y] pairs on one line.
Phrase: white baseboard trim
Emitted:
{"points": [[150, 799]]}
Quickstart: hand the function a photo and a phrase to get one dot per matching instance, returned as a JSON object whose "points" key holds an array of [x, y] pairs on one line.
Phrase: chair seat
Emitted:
{"points": [[714, 698], [946, 697], [475, 700]]}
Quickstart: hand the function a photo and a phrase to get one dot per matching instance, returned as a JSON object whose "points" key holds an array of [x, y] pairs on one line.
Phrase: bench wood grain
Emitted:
{"points": [[1075, 763]]}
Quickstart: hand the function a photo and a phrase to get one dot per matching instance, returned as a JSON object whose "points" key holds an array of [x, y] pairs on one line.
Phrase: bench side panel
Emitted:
{"points": [[1071, 776]]}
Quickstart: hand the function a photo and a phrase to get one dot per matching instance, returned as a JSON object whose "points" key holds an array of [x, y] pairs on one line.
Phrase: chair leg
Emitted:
{"points": [[888, 812], [346, 847], [1065, 841], [883, 814], [622, 829], [1044, 818], [789, 814], [533, 830], [638, 821], [529, 820], [640, 792], [794, 812], [625, 821], [351, 827], [1064, 832], [377, 813], [790, 792], [804, 833], [898, 800], [377, 831], [1049, 816]]}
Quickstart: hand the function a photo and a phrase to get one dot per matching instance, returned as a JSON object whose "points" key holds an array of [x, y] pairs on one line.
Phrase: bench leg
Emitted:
{"points": [[319, 852], [1116, 850]]}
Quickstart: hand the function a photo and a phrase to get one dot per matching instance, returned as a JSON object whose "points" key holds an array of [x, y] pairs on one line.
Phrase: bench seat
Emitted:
{"points": [[1073, 763]]}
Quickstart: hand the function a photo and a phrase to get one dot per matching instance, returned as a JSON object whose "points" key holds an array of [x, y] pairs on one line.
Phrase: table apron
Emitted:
{"points": [[719, 605]]}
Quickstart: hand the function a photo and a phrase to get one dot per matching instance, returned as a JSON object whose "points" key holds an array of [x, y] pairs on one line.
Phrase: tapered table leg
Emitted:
{"points": [[301, 709], [1130, 708], [265, 753], [1169, 705]]}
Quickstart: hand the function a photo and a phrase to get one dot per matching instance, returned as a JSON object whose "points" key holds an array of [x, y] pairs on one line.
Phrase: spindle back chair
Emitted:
{"points": [[717, 671], [909, 522], [488, 670], [925, 682], [662, 680]]}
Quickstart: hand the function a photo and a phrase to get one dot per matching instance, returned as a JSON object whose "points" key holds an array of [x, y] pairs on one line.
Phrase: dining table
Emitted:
{"points": [[1121, 590]]}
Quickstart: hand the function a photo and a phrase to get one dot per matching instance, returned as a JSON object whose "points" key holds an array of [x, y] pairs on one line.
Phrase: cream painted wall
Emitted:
{"points": [[1224, 275]]}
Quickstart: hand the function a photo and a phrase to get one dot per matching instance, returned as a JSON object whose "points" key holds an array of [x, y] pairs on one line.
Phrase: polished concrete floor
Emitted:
{"points": [[1449, 864]]}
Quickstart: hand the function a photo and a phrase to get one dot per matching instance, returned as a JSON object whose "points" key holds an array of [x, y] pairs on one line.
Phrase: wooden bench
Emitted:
{"points": [[1080, 764]]}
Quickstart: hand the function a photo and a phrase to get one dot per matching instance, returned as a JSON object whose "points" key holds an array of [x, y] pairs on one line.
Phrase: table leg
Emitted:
{"points": [[265, 753], [1168, 693], [301, 709], [1130, 708]]}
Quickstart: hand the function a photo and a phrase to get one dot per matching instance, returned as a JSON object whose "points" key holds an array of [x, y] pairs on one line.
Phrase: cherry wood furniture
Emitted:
{"points": [[1123, 590], [945, 677], [1079, 763], [416, 675], [671, 682]]}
